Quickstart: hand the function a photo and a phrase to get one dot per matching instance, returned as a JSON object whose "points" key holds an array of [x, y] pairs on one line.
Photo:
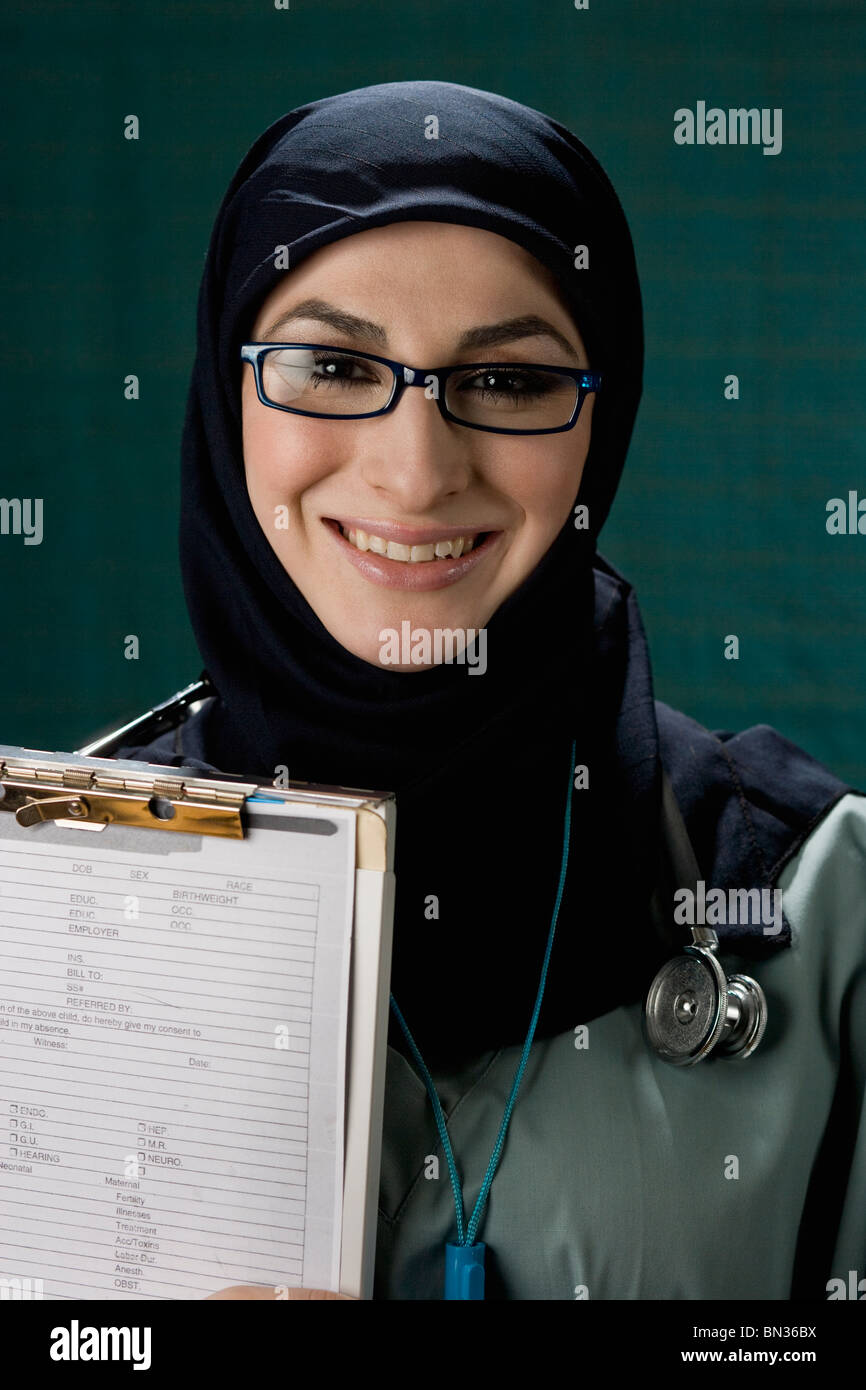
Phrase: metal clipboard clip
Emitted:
{"points": [[38, 790], [89, 797], [101, 790]]}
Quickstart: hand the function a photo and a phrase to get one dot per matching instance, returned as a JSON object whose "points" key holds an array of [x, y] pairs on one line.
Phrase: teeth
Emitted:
{"points": [[414, 554]]}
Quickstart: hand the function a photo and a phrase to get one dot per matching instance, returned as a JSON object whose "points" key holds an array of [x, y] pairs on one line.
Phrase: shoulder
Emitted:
{"points": [[829, 869], [183, 746], [750, 799], [824, 901]]}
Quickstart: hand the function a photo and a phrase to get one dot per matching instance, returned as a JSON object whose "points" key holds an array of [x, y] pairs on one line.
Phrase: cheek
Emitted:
{"points": [[283, 456], [545, 487]]}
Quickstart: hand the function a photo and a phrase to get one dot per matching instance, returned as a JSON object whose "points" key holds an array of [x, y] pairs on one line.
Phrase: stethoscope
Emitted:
{"points": [[693, 1009]]}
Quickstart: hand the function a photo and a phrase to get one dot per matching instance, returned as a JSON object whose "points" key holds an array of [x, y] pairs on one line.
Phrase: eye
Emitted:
{"points": [[339, 369], [325, 381], [513, 384]]}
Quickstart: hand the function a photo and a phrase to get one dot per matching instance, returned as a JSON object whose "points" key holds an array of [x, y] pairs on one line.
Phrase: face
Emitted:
{"points": [[410, 482]]}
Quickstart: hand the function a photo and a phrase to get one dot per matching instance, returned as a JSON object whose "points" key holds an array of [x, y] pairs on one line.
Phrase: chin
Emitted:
{"points": [[407, 642]]}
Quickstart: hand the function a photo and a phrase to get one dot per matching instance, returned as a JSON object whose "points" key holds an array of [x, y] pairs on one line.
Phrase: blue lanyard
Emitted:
{"points": [[464, 1262]]}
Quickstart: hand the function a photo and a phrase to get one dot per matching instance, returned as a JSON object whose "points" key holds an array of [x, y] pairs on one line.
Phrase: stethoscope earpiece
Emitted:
{"points": [[693, 1009]]}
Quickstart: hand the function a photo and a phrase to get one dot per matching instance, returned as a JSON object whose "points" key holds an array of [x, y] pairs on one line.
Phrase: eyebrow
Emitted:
{"points": [[511, 331], [475, 339], [349, 324]]}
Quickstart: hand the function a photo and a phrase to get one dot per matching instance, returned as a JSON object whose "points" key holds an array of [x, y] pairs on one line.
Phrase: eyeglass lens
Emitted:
{"points": [[337, 383]]}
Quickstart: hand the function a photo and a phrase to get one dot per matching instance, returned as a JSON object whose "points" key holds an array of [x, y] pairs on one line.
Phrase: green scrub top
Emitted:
{"points": [[623, 1177]]}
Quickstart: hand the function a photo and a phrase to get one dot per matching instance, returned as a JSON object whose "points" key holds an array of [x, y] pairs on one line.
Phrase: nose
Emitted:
{"points": [[414, 457]]}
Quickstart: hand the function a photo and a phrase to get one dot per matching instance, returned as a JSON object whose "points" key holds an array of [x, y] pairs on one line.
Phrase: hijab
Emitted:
{"points": [[480, 767]]}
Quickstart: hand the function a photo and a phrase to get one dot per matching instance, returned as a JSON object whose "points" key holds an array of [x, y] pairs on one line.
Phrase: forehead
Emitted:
{"points": [[418, 264]]}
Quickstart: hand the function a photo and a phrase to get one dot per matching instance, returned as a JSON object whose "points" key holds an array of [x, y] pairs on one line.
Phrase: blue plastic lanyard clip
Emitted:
{"points": [[464, 1271]]}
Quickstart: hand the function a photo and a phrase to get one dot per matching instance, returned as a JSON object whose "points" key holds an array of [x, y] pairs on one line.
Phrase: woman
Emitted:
{"points": [[433, 226]]}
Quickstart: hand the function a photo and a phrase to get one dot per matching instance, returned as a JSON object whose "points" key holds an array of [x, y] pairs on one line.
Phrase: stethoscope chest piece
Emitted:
{"points": [[693, 1009]]}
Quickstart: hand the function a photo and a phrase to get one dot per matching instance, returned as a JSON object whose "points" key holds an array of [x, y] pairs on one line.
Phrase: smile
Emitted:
{"points": [[398, 557], [411, 554]]}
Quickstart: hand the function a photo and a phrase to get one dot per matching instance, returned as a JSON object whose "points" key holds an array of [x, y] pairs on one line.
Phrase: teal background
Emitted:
{"points": [[749, 263]]}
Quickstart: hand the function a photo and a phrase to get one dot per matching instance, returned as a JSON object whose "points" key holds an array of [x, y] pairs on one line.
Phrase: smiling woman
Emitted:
{"points": [[337, 486], [366, 502]]}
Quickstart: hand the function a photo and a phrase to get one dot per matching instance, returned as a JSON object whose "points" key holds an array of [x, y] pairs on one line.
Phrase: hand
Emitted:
{"points": [[250, 1291]]}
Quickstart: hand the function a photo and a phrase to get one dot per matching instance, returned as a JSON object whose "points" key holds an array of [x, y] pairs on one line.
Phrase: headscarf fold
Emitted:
{"points": [[480, 766]]}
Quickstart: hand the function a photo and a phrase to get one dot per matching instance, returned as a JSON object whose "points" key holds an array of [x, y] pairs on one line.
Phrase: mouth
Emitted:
{"points": [[401, 557]]}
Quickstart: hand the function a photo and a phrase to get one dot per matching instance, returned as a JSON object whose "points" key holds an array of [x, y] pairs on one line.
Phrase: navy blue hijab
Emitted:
{"points": [[480, 766]]}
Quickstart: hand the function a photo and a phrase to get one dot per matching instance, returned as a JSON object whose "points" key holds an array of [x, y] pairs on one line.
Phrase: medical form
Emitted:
{"points": [[173, 1052]]}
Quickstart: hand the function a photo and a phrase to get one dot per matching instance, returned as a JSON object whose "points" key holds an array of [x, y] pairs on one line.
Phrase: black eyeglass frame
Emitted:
{"points": [[403, 376]]}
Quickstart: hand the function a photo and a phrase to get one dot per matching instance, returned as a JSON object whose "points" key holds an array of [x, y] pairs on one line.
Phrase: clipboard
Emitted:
{"points": [[54, 809]]}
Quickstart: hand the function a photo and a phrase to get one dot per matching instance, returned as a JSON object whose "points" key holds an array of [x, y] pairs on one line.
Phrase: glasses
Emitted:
{"points": [[502, 397]]}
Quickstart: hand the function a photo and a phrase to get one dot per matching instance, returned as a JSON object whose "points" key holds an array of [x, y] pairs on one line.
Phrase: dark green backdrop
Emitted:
{"points": [[750, 264]]}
